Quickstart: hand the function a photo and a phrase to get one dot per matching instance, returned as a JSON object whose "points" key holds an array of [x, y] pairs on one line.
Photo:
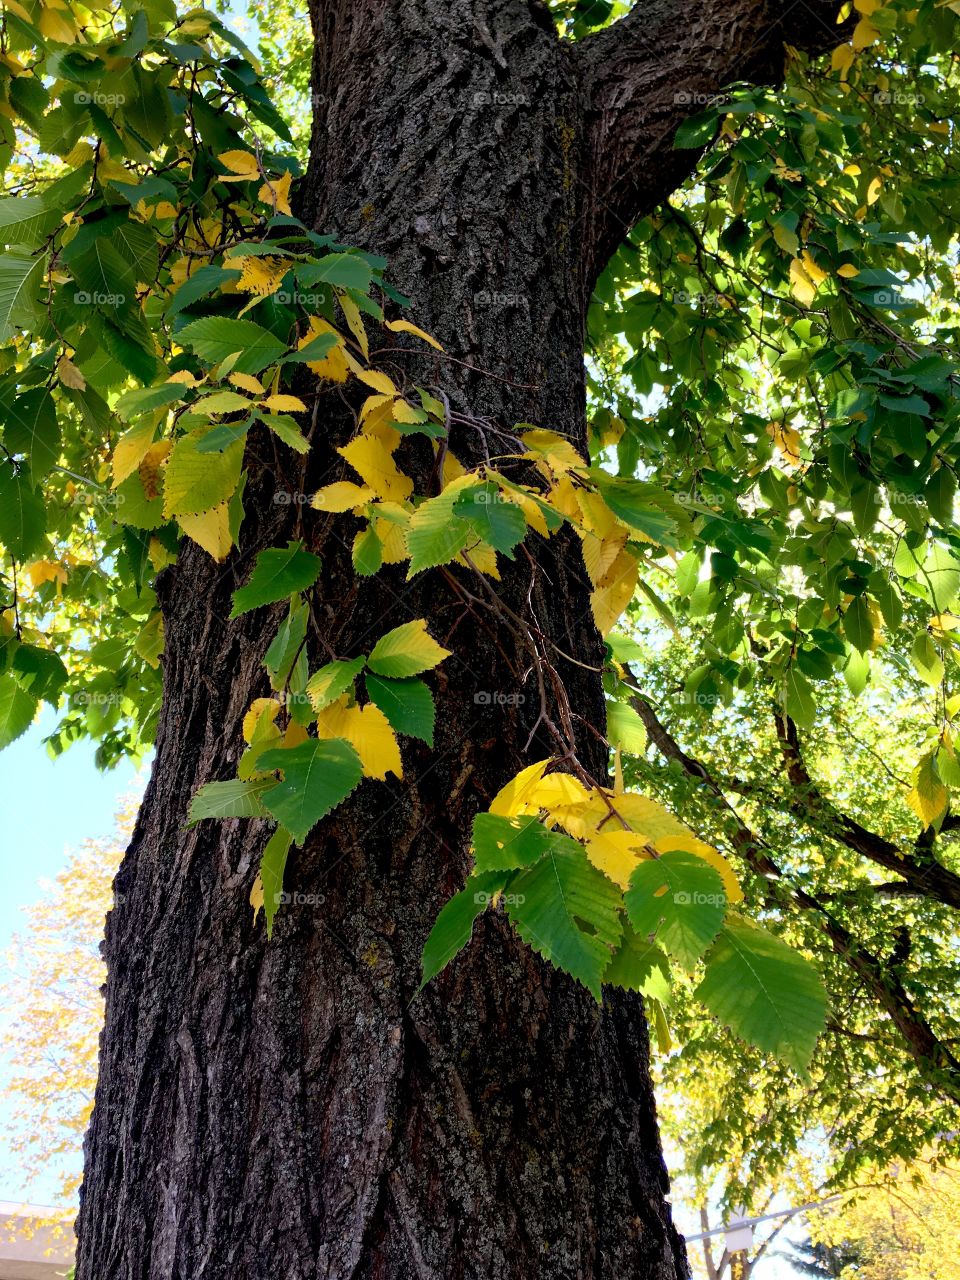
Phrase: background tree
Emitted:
{"points": [[755, 356]]}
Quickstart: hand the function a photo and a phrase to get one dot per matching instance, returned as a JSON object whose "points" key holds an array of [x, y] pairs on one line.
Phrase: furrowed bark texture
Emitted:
{"points": [[290, 1110]]}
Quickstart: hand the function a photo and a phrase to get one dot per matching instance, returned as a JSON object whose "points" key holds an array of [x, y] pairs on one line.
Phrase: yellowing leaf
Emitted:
{"points": [[351, 313], [242, 165], [334, 365], [404, 326], [874, 189], [151, 464], [848, 271], [368, 730], [788, 441], [260, 275], [344, 495], [864, 34], [283, 404], [247, 382], [406, 651], [258, 708], [816, 273], [928, 796], [616, 853], [256, 896], [614, 592], [801, 286], [70, 375], [276, 192], [130, 449], [371, 461], [554, 449], [511, 798], [210, 530], [41, 571]]}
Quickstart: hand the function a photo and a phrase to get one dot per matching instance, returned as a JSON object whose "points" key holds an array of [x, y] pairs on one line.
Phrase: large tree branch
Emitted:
{"points": [[923, 873], [934, 1060], [660, 64]]}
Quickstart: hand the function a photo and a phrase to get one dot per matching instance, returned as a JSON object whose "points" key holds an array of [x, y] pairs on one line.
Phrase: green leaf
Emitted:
{"points": [[625, 729], [568, 912], [104, 280], [277, 574], [30, 427], [287, 643], [679, 898], [798, 700], [17, 709], [215, 337], [23, 518], [765, 992], [20, 279], [640, 965], [407, 704], [434, 535], [504, 844], [272, 866], [26, 220], [230, 799], [927, 660], [367, 552], [697, 131], [345, 270], [195, 481], [858, 624], [492, 517], [317, 776], [453, 927], [331, 681]]}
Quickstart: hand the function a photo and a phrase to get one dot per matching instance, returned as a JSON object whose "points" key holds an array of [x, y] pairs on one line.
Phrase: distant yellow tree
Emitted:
{"points": [[905, 1230], [53, 1012]]}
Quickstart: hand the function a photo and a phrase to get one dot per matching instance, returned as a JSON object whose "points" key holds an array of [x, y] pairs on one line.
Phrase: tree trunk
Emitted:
{"points": [[291, 1109]]}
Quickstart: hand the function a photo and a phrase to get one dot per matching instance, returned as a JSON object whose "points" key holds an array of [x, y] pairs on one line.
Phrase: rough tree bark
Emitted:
{"points": [[289, 1110]]}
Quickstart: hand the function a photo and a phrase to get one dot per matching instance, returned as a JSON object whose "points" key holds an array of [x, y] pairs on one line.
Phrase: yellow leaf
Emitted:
{"points": [[816, 273], [865, 34], [256, 897], [351, 313], [787, 440], [54, 27], [848, 271], [283, 404], [558, 790], [247, 382], [260, 276], [554, 449], [928, 796], [371, 461], [482, 558], [373, 378], [866, 7], [393, 540], [41, 571], [242, 165], [532, 512], [599, 555], [276, 193], [369, 732], [130, 449], [616, 853], [842, 60], [802, 287], [160, 557], [404, 326], [334, 365], [344, 495], [615, 592], [402, 412], [873, 191], [210, 530], [511, 799]]}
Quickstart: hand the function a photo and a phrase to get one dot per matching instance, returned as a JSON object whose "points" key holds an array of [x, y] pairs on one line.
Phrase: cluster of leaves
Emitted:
{"points": [[158, 298]]}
